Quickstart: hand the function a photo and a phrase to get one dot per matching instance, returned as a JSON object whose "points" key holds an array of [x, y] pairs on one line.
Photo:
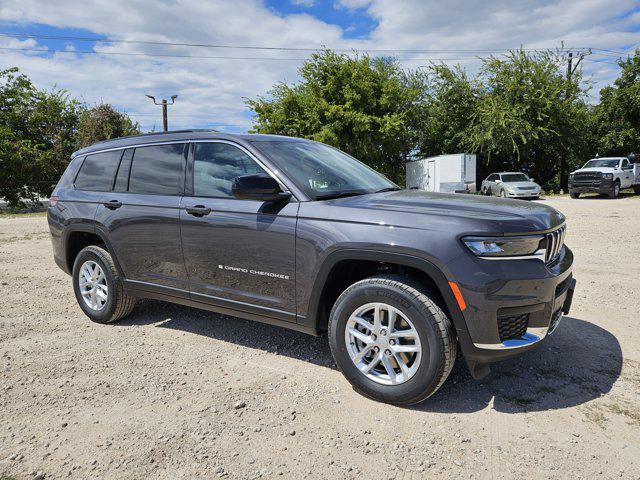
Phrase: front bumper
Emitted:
{"points": [[523, 194], [498, 290]]}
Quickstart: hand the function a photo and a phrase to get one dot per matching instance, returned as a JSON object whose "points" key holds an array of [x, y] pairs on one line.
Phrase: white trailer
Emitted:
{"points": [[444, 173]]}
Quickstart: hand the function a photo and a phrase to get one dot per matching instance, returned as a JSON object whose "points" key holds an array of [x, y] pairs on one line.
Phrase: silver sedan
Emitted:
{"points": [[510, 185]]}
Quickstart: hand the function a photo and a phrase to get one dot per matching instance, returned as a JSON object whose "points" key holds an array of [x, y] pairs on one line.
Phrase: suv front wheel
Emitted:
{"points": [[98, 287], [391, 340], [615, 190]]}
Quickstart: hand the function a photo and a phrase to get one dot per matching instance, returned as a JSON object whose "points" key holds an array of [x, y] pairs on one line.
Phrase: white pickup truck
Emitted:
{"points": [[607, 175]]}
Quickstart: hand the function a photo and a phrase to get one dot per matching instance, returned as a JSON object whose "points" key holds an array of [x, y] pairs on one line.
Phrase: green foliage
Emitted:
{"points": [[616, 119], [37, 131], [445, 112], [529, 117], [103, 122], [366, 107]]}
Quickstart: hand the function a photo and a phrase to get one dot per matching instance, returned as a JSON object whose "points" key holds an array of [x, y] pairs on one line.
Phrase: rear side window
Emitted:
{"points": [[97, 171], [215, 166], [158, 170]]}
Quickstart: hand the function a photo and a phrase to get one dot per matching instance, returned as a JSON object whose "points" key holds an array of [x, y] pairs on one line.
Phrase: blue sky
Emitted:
{"points": [[212, 90]]}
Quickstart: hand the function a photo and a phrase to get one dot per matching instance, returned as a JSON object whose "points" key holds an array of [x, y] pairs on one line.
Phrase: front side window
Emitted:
{"points": [[157, 169], [215, 165], [322, 171], [97, 171]]}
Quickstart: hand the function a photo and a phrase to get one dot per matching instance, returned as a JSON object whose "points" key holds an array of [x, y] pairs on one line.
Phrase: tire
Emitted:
{"points": [[574, 195], [117, 303], [434, 332], [615, 190], [503, 194], [484, 190]]}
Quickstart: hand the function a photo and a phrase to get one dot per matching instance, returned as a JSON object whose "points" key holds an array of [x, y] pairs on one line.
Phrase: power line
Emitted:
{"points": [[262, 47], [171, 55]]}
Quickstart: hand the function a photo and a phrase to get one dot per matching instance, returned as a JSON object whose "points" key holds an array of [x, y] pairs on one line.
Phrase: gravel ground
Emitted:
{"points": [[173, 392]]}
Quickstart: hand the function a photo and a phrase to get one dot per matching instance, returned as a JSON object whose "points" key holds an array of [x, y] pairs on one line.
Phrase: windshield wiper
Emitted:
{"points": [[388, 189], [344, 193]]}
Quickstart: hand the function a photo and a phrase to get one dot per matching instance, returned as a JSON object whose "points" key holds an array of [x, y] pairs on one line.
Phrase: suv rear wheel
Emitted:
{"points": [[98, 287], [391, 340]]}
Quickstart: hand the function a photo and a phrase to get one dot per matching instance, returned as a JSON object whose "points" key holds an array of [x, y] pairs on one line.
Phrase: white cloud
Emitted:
{"points": [[304, 3], [212, 90]]}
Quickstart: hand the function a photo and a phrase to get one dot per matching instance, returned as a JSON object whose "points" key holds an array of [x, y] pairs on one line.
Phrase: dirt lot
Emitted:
{"points": [[175, 393]]}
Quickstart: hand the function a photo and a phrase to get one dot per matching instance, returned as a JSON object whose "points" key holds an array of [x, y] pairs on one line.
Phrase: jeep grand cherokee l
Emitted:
{"points": [[298, 234]]}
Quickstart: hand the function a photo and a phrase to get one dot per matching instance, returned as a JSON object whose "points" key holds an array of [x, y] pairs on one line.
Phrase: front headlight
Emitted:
{"points": [[497, 247], [607, 176]]}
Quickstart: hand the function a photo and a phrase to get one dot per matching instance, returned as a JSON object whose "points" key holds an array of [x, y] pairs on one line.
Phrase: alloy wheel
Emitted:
{"points": [[383, 343], [93, 285]]}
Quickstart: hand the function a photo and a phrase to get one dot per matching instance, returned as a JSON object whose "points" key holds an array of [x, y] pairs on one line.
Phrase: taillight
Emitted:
{"points": [[53, 201]]}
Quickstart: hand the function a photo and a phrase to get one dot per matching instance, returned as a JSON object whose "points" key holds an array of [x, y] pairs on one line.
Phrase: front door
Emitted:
{"points": [[239, 254]]}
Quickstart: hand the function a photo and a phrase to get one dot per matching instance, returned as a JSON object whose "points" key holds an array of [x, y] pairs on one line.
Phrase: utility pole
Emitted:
{"points": [[564, 170], [165, 104]]}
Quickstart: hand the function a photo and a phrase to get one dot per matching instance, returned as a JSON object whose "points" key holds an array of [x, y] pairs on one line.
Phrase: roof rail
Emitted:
{"points": [[194, 130]]}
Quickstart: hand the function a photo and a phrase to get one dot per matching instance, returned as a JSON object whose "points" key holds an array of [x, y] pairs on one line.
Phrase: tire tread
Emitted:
{"points": [[124, 303]]}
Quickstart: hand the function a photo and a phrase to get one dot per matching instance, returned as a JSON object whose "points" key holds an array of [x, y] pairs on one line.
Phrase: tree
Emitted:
{"points": [[450, 100], [616, 121], [528, 116], [37, 130], [366, 107], [103, 122]]}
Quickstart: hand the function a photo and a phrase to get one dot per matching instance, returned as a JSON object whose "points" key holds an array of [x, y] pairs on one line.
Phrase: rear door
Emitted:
{"points": [[239, 254], [142, 219]]}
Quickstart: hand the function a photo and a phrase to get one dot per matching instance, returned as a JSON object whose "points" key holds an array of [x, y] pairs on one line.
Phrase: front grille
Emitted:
{"points": [[586, 179], [526, 188], [513, 326], [587, 176], [555, 241]]}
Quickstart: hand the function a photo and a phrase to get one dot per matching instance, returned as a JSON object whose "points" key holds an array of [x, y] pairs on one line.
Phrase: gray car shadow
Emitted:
{"points": [[578, 363]]}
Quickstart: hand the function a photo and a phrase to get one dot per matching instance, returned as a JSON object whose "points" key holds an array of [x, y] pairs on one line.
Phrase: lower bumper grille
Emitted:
{"points": [[514, 326]]}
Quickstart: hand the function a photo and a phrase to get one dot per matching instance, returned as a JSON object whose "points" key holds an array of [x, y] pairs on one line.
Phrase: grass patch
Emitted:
{"points": [[594, 414], [21, 214]]}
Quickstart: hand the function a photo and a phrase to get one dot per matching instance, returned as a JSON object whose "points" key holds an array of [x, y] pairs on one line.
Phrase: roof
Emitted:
{"points": [[176, 136]]}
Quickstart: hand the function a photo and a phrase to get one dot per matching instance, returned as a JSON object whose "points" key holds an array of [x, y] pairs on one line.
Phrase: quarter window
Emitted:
{"points": [[157, 169], [97, 171], [215, 166]]}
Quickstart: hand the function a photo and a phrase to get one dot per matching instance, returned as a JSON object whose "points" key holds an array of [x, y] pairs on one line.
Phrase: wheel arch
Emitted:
{"points": [[81, 236], [325, 292]]}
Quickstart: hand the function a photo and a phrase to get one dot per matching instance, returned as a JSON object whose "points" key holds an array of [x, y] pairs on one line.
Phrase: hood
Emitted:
{"points": [[429, 210], [521, 184], [595, 169]]}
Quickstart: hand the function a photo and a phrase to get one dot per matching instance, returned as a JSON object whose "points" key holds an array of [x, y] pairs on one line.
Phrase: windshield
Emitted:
{"points": [[602, 163], [322, 171], [515, 177]]}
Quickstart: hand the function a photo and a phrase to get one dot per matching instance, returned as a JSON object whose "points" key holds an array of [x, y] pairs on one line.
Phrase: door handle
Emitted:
{"points": [[112, 204], [199, 211]]}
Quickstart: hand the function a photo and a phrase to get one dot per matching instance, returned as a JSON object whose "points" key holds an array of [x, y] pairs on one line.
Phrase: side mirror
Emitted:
{"points": [[532, 179], [260, 187], [498, 181]]}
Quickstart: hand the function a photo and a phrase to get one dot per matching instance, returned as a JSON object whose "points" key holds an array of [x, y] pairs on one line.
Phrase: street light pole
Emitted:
{"points": [[165, 104]]}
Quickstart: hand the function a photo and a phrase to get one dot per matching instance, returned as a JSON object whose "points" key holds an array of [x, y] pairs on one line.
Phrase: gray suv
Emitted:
{"points": [[301, 235]]}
